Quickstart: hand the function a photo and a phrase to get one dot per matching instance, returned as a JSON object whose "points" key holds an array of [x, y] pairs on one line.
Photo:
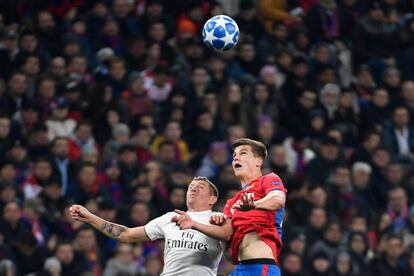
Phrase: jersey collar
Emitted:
{"points": [[245, 186]]}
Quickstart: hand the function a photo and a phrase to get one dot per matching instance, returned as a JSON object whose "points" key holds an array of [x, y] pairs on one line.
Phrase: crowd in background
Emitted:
{"points": [[117, 104]]}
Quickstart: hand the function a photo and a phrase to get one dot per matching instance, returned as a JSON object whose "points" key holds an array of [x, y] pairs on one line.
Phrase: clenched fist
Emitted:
{"points": [[80, 213]]}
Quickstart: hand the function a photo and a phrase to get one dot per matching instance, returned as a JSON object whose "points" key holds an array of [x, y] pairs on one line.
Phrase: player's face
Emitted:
{"points": [[198, 195], [244, 161]]}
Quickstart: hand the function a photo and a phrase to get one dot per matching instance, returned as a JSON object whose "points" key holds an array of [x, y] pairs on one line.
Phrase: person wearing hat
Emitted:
{"points": [[186, 252], [58, 124], [8, 52]]}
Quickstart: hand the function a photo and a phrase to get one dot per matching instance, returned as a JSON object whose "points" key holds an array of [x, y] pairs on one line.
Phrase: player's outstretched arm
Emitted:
{"points": [[112, 230], [224, 232], [273, 201]]}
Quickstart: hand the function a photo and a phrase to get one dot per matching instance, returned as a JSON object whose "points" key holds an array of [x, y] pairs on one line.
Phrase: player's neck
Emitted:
{"points": [[249, 178], [198, 209]]}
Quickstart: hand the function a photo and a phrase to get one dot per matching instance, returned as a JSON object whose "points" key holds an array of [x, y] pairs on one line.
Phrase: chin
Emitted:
{"points": [[238, 173]]}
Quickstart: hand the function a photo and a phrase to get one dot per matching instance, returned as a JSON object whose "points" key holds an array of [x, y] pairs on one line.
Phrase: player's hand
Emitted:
{"points": [[247, 202], [182, 220], [217, 219], [79, 213]]}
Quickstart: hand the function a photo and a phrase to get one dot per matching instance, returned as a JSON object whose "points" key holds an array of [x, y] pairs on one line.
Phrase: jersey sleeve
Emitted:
{"points": [[272, 182], [227, 209], [154, 228]]}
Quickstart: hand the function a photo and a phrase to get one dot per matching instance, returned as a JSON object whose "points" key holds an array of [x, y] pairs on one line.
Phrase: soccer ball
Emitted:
{"points": [[221, 33]]}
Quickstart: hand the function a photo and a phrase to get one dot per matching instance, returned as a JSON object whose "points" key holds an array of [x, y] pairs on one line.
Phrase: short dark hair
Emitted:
{"points": [[258, 148]]}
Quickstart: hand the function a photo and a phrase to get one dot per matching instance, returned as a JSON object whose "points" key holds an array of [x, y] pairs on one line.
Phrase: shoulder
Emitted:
{"points": [[165, 218], [168, 215], [271, 177], [272, 181]]}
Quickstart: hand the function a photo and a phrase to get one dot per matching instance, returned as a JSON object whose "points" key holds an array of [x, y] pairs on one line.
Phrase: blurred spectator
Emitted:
{"points": [[59, 124], [204, 133], [397, 209], [86, 185], [390, 261], [325, 162], [214, 161], [14, 96], [359, 250], [128, 160], [173, 134], [375, 38], [399, 135], [248, 19], [233, 107], [120, 136], [118, 101], [273, 11], [292, 264], [122, 263], [71, 261], [407, 96], [62, 166], [33, 213], [320, 264], [42, 172], [53, 201], [136, 96], [82, 139], [12, 223], [29, 257], [316, 224], [142, 141], [370, 141], [342, 264], [86, 243], [47, 32]]}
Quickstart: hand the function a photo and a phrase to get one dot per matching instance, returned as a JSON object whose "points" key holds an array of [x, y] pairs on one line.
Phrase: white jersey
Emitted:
{"points": [[187, 252]]}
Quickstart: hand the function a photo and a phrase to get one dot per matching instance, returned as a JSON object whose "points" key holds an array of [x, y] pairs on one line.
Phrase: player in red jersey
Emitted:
{"points": [[254, 216]]}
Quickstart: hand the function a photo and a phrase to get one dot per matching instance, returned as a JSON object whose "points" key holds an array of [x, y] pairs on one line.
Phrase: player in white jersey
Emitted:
{"points": [[187, 252]]}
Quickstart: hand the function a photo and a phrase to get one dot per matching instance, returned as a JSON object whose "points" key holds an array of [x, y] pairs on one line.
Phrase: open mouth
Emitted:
{"points": [[237, 166]]}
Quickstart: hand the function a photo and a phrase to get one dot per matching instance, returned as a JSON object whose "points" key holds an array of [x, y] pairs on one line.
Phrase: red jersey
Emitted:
{"points": [[267, 224]]}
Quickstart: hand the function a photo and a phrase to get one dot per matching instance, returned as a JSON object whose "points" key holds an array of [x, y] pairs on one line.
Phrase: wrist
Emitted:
{"points": [[195, 225]]}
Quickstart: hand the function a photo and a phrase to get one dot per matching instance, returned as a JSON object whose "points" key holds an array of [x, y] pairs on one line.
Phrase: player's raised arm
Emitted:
{"points": [[223, 232], [112, 230], [273, 201]]}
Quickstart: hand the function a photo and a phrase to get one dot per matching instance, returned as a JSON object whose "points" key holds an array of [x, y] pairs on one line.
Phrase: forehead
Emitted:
{"points": [[198, 182], [242, 148]]}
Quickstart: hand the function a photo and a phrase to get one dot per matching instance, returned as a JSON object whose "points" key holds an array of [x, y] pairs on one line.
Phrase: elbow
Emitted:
{"points": [[278, 204], [228, 236], [125, 236]]}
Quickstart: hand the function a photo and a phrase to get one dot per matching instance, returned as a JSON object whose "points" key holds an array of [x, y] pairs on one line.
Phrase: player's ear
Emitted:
{"points": [[213, 200], [259, 162]]}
